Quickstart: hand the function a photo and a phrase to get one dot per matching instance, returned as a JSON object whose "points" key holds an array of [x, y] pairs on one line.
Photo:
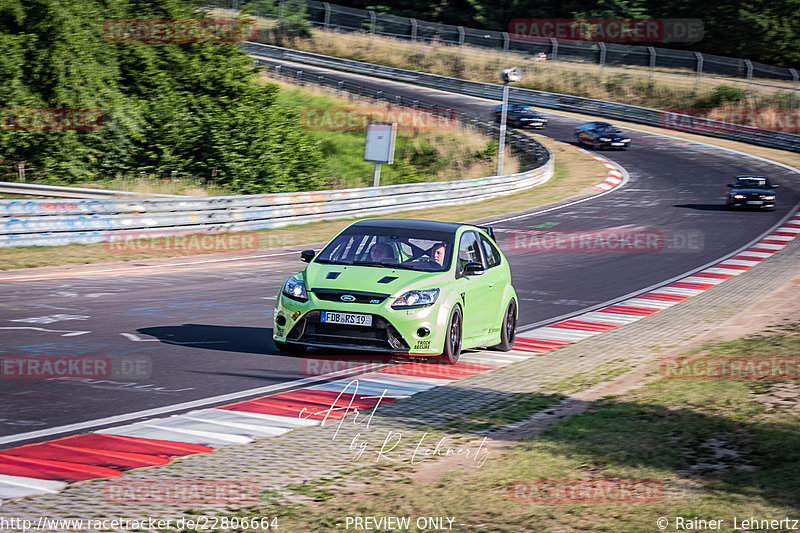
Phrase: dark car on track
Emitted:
{"points": [[520, 116], [752, 192], [601, 135]]}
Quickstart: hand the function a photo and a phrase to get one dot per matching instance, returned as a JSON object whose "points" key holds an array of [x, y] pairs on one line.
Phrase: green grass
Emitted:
{"points": [[450, 152], [585, 380]]}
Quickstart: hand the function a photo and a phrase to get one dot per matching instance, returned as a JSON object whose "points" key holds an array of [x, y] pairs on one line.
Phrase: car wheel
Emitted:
{"points": [[595, 146], [290, 348], [452, 342], [508, 330]]}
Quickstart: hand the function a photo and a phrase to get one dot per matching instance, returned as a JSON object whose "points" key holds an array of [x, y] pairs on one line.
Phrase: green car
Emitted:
{"points": [[403, 287]]}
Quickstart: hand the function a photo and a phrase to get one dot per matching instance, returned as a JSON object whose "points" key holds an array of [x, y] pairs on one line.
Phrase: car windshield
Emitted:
{"points": [[606, 128], [752, 183], [383, 247]]}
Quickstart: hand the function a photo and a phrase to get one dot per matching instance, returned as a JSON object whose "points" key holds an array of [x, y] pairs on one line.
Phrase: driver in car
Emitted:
{"points": [[437, 253]]}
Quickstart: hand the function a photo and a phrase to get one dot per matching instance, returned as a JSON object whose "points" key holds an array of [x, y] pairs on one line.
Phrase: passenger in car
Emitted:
{"points": [[381, 252]]}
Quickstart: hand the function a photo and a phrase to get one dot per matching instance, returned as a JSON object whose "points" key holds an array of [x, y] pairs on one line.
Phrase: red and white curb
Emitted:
{"points": [[615, 177], [544, 339], [48, 467]]}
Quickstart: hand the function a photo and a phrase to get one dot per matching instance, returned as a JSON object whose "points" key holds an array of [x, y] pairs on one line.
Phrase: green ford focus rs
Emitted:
{"points": [[404, 287]]}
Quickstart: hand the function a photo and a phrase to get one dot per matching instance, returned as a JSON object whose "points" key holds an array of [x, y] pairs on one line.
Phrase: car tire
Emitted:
{"points": [[452, 342], [284, 347], [508, 329], [596, 146]]}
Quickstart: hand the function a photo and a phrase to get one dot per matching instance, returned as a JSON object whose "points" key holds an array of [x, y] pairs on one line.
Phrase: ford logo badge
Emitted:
{"points": [[348, 298]]}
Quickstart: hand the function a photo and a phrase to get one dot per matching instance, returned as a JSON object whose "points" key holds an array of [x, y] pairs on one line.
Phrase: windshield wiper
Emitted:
{"points": [[384, 263], [331, 261]]}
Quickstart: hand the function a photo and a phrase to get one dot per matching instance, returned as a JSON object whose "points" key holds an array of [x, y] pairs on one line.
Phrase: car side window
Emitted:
{"points": [[490, 252], [468, 250]]}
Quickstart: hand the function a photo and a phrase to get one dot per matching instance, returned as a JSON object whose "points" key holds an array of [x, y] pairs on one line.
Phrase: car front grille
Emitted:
{"points": [[380, 336], [356, 297]]}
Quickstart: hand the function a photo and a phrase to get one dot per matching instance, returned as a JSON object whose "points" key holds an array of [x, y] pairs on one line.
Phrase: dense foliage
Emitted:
{"points": [[186, 108], [761, 30]]}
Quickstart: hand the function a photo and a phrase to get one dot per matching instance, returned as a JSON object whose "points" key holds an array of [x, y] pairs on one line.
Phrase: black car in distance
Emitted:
{"points": [[520, 116], [601, 135], [751, 192]]}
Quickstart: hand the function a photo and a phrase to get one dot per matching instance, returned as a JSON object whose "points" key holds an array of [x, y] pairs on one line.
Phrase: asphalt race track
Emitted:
{"points": [[179, 332]]}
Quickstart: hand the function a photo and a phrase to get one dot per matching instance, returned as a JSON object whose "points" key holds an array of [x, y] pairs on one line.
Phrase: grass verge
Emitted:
{"points": [[426, 149], [716, 448]]}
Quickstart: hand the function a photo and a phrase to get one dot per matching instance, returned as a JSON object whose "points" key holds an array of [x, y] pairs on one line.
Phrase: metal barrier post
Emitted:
{"points": [[505, 46], [652, 62], [749, 65], [602, 58], [554, 53], [413, 34], [699, 57], [461, 42], [327, 15], [794, 86]]}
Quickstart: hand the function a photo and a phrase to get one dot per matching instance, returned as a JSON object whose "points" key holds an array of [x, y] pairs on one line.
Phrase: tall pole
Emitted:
{"points": [[502, 146]]}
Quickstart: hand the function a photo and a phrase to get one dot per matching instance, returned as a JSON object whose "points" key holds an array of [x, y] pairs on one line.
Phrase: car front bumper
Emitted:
{"points": [[400, 332], [752, 204]]}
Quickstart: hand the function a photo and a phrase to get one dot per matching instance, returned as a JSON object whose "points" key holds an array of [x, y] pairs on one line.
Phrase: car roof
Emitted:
{"points": [[410, 223], [750, 176]]}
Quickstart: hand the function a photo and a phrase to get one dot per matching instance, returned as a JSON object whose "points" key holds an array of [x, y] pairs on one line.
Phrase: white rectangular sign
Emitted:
{"points": [[380, 142]]}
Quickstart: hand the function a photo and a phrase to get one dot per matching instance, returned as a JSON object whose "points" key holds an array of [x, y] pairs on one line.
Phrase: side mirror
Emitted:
{"points": [[776, 186], [307, 255], [473, 269]]}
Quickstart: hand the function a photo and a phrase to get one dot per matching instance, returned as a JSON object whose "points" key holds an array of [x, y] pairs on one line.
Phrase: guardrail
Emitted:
{"points": [[57, 191], [48, 223], [114, 219], [630, 113]]}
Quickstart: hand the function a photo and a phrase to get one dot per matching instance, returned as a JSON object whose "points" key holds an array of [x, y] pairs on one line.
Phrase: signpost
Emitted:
{"points": [[380, 146]]}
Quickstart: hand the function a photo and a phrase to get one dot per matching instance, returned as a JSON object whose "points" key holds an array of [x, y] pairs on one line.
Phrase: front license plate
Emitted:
{"points": [[351, 319], [617, 144], [754, 202]]}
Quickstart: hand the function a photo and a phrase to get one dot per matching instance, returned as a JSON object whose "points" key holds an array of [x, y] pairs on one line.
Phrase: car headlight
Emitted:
{"points": [[295, 289], [626, 140], [769, 198], [739, 196], [416, 299], [604, 139]]}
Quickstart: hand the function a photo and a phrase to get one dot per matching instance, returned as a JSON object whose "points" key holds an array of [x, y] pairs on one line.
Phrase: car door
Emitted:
{"points": [[496, 281], [474, 290]]}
